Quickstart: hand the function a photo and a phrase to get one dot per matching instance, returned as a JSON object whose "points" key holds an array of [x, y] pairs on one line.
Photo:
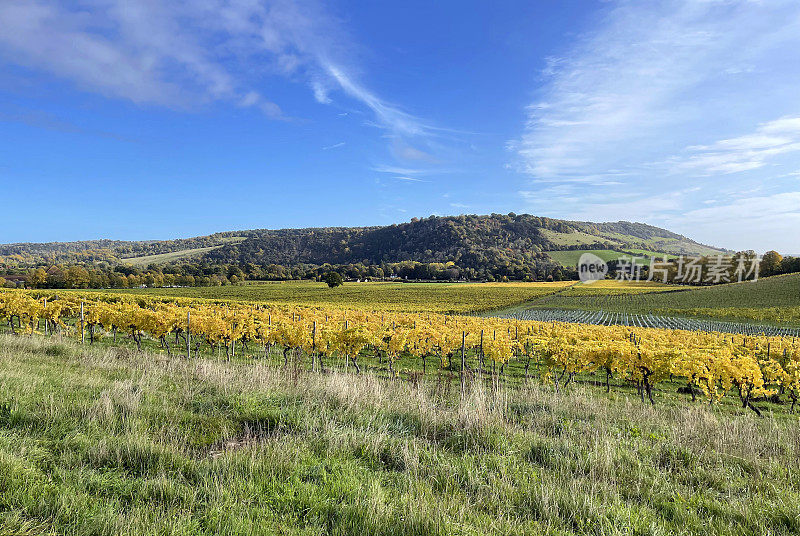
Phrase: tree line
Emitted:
{"points": [[201, 274]]}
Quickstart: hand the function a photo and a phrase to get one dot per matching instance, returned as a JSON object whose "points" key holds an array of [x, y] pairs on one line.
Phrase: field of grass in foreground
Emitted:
{"points": [[109, 442], [402, 297]]}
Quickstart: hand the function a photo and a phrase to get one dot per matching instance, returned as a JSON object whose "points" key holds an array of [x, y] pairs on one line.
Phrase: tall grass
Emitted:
{"points": [[110, 441]]}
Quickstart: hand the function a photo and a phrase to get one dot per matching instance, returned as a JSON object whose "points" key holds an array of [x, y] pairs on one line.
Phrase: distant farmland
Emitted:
{"points": [[172, 256], [569, 258]]}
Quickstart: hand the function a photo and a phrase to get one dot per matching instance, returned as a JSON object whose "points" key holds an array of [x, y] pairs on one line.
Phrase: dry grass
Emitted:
{"points": [[110, 441]]}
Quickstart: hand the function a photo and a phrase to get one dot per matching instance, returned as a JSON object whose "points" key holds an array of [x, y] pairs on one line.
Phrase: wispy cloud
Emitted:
{"points": [[334, 146], [770, 220], [182, 54], [743, 153], [622, 93], [387, 115], [413, 174], [410, 179], [399, 170], [658, 98]]}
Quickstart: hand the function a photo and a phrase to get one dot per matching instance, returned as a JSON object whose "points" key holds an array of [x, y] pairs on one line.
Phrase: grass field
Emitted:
{"points": [[569, 258], [672, 245], [576, 238], [163, 258], [612, 287], [735, 301], [108, 441], [405, 297]]}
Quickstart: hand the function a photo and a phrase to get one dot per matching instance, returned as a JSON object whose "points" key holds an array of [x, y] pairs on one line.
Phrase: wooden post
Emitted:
{"points": [[480, 359], [346, 356], [83, 337], [313, 345], [188, 334], [463, 362], [46, 326]]}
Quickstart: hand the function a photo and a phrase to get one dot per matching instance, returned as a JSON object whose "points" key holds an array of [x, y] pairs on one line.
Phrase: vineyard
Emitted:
{"points": [[385, 296], [774, 300], [603, 318], [708, 364]]}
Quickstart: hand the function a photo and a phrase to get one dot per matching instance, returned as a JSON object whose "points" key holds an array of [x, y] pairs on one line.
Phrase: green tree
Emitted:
{"points": [[770, 263], [37, 278], [76, 277], [333, 279]]}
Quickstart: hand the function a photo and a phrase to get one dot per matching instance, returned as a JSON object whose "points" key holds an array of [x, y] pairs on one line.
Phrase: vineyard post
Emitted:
{"points": [[188, 334], [83, 338], [463, 362], [45, 318], [480, 358], [313, 344]]}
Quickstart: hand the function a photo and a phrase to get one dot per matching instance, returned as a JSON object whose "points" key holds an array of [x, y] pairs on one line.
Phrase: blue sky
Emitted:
{"points": [[139, 120]]}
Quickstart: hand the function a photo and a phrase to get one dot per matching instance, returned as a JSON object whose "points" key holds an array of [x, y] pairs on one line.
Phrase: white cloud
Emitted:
{"points": [[184, 53], [654, 73], [388, 116], [772, 223], [321, 92], [334, 146], [642, 116], [743, 153], [409, 179], [412, 172], [139, 51], [398, 170]]}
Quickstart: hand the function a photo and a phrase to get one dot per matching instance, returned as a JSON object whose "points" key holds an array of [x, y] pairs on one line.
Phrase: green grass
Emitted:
{"points": [[570, 258], [111, 442], [576, 238], [406, 297], [669, 245], [164, 258], [650, 253], [613, 287], [740, 301]]}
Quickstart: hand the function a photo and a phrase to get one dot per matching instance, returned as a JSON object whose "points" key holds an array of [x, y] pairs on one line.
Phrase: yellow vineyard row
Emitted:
{"points": [[714, 363]]}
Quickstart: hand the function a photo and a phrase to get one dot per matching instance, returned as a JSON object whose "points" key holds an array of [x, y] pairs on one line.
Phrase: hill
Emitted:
{"points": [[512, 244]]}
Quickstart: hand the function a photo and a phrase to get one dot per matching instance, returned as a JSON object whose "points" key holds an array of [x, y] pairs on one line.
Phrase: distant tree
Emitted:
{"points": [[333, 279], [790, 265], [770, 263], [37, 278], [77, 277]]}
